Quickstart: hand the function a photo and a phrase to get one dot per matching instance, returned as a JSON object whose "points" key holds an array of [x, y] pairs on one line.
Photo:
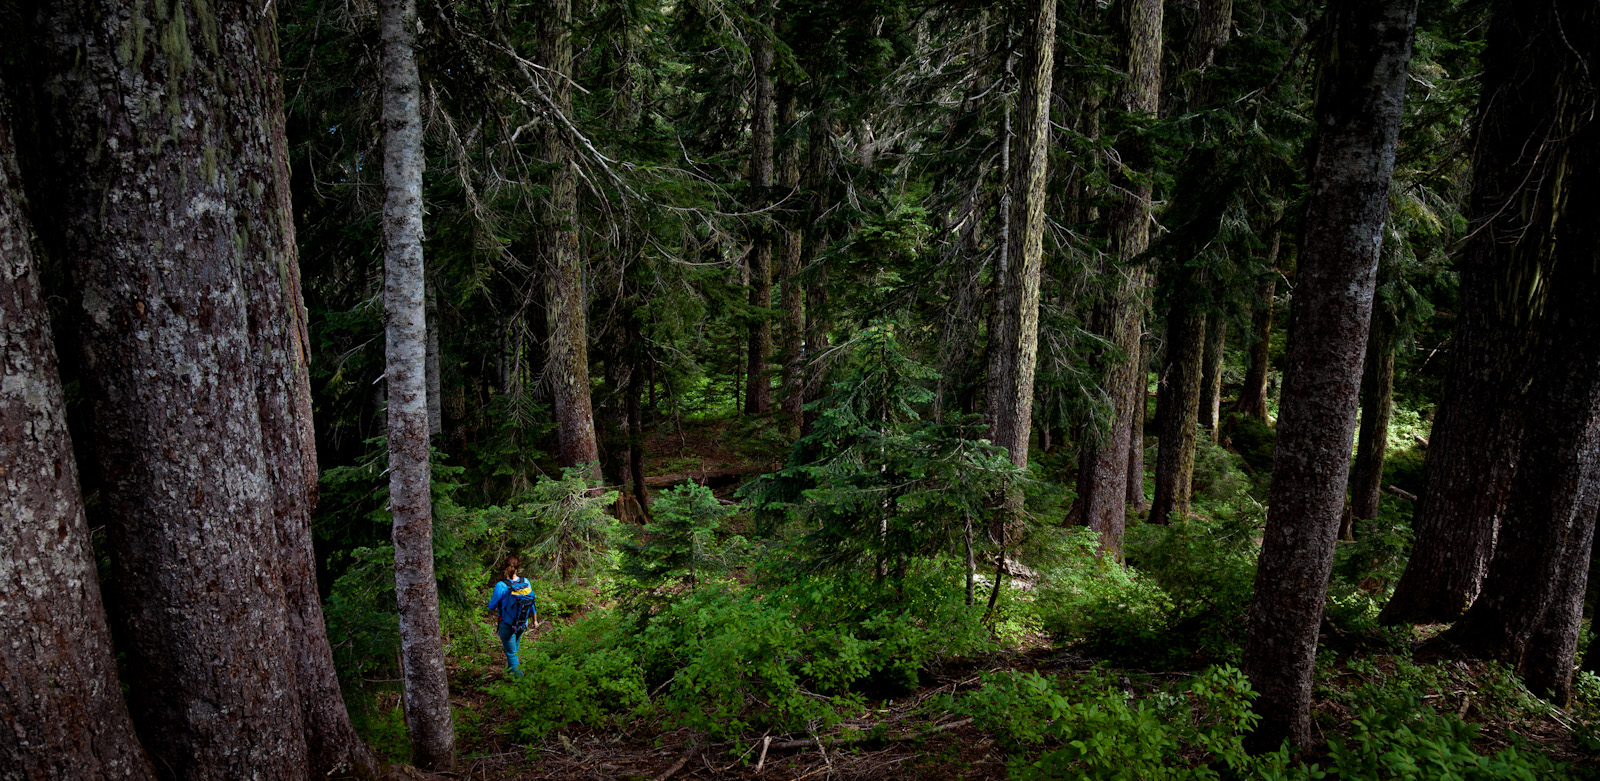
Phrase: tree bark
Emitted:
{"points": [[435, 391], [1013, 349], [565, 316], [60, 698], [1360, 97], [1529, 610], [1211, 375], [163, 170], [1377, 403], [1253, 395], [818, 144], [1141, 412], [1186, 331], [427, 689], [1118, 317], [1516, 190], [758, 393], [794, 322]]}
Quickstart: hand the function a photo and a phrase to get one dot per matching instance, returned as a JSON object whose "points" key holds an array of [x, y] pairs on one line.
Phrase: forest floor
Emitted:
{"points": [[917, 739], [908, 736]]}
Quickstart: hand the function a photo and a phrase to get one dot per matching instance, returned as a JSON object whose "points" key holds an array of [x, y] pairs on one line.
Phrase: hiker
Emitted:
{"points": [[514, 605]]}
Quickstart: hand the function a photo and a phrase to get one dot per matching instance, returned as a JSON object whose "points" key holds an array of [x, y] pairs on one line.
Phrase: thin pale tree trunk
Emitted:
{"points": [[427, 690], [1359, 102], [60, 698], [1211, 375]]}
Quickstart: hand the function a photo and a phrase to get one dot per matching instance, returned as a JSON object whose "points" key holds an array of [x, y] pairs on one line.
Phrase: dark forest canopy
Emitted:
{"points": [[1039, 389]]}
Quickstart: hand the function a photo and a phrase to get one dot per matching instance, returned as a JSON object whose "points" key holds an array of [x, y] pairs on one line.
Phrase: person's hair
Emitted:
{"points": [[513, 567]]}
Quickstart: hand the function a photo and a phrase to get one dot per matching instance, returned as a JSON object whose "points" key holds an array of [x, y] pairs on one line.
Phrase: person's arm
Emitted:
{"points": [[499, 591]]}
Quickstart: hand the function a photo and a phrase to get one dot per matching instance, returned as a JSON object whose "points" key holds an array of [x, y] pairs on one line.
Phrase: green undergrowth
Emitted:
{"points": [[1102, 725], [727, 659]]}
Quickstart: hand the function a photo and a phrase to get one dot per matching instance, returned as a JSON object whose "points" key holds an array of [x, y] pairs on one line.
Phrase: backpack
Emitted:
{"points": [[517, 604]]}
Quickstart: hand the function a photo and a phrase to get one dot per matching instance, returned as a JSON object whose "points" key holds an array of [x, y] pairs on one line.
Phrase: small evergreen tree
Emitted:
{"points": [[681, 543]]}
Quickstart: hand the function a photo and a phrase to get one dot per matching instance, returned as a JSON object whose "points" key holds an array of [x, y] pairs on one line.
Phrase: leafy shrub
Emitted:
{"points": [[1400, 737], [1091, 728], [1095, 603], [1181, 601], [803, 655], [596, 687]]}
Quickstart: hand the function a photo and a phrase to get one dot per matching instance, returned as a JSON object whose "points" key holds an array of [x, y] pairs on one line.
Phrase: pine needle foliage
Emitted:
{"points": [[877, 483]]}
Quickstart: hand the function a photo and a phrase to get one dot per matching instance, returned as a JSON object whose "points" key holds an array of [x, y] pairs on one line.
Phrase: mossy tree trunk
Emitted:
{"points": [[1118, 316], [161, 177], [60, 698]]}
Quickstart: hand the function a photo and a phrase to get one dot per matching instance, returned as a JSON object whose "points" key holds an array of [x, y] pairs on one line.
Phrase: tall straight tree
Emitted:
{"points": [[1529, 612], [1377, 405], [1179, 409], [789, 258], [60, 698], [758, 386], [1118, 317], [1253, 394], [1211, 375], [1517, 188], [185, 281], [427, 689], [568, 354], [1183, 365], [1360, 94], [1014, 347]]}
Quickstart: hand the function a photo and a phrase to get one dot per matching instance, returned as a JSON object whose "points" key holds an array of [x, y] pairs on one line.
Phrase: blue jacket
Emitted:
{"points": [[500, 589]]}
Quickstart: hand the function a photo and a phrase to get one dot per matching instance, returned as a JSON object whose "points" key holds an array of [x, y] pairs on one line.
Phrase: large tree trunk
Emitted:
{"points": [[1377, 403], [1253, 394], [1529, 73], [1014, 347], [1359, 101], [427, 689], [1183, 366], [60, 699], [794, 322], [1211, 375], [179, 243], [1186, 343], [1103, 457], [758, 393], [1528, 613], [568, 354]]}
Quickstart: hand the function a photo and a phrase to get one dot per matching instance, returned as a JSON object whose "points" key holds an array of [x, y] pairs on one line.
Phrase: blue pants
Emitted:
{"points": [[509, 638]]}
